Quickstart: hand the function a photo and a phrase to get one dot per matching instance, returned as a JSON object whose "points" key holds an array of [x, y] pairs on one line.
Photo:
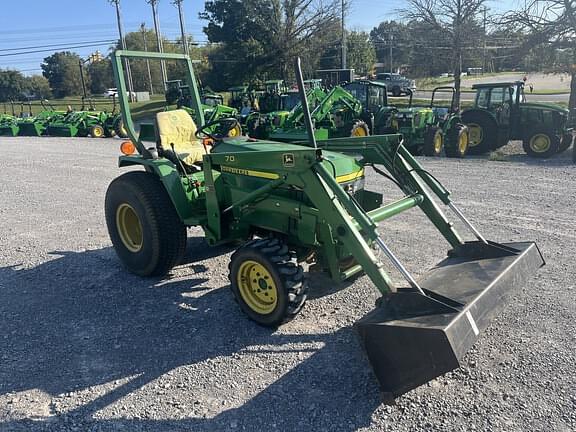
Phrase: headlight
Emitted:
{"points": [[354, 186]]}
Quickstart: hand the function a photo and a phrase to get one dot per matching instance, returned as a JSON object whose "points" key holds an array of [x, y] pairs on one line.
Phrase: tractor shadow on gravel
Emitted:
{"points": [[81, 321]]}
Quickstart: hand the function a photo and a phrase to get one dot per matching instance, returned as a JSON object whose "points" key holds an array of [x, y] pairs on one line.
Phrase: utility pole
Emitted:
{"points": [[484, 47], [391, 40], [81, 65], [185, 46], [154, 3], [143, 30], [344, 42], [123, 44]]}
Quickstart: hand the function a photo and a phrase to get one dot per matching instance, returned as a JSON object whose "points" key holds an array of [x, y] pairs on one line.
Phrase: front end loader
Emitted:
{"points": [[287, 204]]}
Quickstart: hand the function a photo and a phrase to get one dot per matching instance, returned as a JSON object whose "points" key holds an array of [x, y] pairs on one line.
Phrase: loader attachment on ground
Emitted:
{"points": [[411, 339]]}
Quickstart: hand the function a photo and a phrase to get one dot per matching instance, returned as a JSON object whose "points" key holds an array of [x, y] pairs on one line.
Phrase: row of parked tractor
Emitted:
{"points": [[500, 113], [49, 121]]}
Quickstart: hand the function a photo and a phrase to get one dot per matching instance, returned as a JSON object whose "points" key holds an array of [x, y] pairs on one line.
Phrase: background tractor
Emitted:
{"points": [[447, 118], [338, 114], [501, 114], [288, 204], [97, 124], [288, 115]]}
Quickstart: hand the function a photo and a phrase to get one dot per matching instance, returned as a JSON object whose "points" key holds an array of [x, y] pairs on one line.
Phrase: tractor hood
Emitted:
{"points": [[346, 168], [546, 106]]}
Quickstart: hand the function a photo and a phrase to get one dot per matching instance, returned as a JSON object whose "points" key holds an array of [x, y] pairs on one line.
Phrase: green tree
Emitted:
{"points": [[361, 52], [261, 38], [551, 23], [12, 85], [63, 72], [39, 86], [101, 77], [395, 35]]}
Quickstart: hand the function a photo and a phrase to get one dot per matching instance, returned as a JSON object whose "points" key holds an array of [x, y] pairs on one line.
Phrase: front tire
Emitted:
{"points": [[566, 142], [541, 143], [97, 131], [433, 141], [457, 141], [267, 282], [147, 233]]}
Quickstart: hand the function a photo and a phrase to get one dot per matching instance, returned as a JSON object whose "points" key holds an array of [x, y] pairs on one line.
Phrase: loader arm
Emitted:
{"points": [[335, 96], [314, 97]]}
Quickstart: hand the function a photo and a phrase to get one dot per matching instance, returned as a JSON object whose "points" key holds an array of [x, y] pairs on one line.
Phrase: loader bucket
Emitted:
{"points": [[63, 131], [411, 339], [31, 129], [11, 130]]}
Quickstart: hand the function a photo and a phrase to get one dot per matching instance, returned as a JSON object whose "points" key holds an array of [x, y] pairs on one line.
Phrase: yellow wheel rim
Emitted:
{"points": [[475, 133], [97, 132], [129, 227], [437, 142], [257, 287], [359, 132], [540, 143], [463, 142], [235, 131]]}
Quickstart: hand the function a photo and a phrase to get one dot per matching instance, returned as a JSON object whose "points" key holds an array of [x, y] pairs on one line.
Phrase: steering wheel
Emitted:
{"points": [[226, 124]]}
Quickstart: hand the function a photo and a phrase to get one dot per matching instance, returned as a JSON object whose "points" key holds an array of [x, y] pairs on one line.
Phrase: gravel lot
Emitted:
{"points": [[85, 346]]}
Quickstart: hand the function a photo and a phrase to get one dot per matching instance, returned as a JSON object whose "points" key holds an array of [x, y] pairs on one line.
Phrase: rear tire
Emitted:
{"points": [[120, 129], [541, 143], [482, 130], [457, 141], [433, 141], [396, 91], [267, 281], [147, 233]]}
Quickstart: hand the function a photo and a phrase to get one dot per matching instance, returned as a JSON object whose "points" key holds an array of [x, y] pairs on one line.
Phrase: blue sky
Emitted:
{"points": [[29, 23]]}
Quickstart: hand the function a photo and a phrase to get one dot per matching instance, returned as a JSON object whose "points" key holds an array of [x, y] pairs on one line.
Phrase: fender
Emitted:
{"points": [[176, 185]]}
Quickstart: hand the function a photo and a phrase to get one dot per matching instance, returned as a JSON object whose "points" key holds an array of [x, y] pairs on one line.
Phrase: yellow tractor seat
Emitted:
{"points": [[178, 128]]}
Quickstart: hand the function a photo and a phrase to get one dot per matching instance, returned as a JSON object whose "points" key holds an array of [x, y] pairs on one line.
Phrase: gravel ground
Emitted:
{"points": [[85, 346]]}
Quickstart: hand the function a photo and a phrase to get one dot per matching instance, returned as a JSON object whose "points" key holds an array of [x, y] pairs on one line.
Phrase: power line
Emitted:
{"points": [[62, 48], [50, 46]]}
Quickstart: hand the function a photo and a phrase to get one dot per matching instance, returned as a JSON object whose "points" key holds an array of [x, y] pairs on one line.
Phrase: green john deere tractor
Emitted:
{"points": [[432, 129], [212, 106], [97, 124], [338, 114], [286, 204], [447, 118], [288, 112], [501, 114]]}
